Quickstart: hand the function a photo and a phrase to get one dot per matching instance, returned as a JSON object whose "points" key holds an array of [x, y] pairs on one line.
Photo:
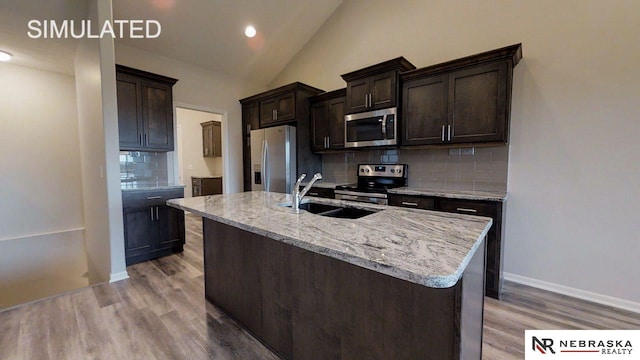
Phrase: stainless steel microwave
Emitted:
{"points": [[373, 128]]}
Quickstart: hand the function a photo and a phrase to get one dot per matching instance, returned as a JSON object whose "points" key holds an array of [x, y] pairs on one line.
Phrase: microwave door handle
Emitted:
{"points": [[384, 127]]}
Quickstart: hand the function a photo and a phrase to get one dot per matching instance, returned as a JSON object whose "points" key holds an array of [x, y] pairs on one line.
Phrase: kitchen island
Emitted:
{"points": [[396, 284]]}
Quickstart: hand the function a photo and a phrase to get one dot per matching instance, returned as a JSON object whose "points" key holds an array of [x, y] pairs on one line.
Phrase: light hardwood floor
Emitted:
{"points": [[161, 313]]}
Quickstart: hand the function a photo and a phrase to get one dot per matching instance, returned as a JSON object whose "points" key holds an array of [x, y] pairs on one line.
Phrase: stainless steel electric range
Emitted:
{"points": [[373, 182]]}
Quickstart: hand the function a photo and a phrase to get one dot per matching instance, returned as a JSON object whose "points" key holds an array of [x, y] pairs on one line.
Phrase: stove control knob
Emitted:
{"points": [[393, 170], [399, 171], [368, 170], [361, 170]]}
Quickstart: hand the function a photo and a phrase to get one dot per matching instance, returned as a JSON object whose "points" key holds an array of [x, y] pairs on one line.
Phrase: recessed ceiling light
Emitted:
{"points": [[250, 31], [5, 56]]}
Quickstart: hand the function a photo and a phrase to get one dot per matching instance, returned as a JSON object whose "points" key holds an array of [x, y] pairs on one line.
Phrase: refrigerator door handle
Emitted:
{"points": [[262, 165], [267, 183]]}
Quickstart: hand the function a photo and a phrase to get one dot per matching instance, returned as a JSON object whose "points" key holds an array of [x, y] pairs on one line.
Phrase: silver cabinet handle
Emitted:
{"points": [[140, 139], [313, 194], [276, 114], [366, 100], [467, 210], [146, 140], [370, 100], [449, 132], [157, 216], [151, 211], [153, 197], [409, 203], [442, 133]]}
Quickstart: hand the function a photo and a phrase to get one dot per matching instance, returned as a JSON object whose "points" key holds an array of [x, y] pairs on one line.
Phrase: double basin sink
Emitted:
{"points": [[332, 210]]}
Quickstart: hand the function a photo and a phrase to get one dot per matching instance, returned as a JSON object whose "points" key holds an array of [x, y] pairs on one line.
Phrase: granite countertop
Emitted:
{"points": [[325, 185], [424, 247], [453, 194], [151, 188]]}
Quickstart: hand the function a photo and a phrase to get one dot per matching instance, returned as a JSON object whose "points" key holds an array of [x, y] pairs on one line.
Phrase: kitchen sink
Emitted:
{"points": [[333, 211]]}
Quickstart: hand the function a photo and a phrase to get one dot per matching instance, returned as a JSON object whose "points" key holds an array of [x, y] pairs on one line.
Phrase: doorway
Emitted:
{"points": [[190, 155]]}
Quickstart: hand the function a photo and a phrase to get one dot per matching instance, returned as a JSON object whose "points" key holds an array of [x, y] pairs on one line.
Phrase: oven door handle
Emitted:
{"points": [[353, 193]]}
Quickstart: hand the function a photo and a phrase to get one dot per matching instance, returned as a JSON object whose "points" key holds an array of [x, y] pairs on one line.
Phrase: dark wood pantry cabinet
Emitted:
{"points": [[375, 87], [145, 110], [151, 228], [492, 209], [327, 120], [466, 100]]}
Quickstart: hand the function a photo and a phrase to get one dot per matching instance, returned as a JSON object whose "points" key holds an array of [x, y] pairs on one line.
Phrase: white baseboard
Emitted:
{"points": [[118, 276], [576, 293]]}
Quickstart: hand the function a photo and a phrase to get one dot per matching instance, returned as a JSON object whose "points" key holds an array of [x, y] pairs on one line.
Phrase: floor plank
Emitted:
{"points": [[160, 313]]}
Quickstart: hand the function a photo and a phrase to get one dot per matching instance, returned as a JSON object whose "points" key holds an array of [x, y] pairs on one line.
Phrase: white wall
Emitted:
{"points": [[190, 147], [199, 88], [573, 173], [99, 149], [41, 215]]}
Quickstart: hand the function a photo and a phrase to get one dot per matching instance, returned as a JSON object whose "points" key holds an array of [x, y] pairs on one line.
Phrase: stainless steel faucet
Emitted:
{"points": [[297, 195]]}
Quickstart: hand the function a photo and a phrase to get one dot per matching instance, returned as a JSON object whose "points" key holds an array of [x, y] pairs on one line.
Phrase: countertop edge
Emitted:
{"points": [[154, 188], [451, 194]]}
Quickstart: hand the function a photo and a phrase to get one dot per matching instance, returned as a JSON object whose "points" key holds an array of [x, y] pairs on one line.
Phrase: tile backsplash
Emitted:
{"points": [[143, 169], [486, 169]]}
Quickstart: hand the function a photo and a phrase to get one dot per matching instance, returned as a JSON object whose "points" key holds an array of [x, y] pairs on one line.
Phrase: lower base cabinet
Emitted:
{"points": [[492, 209], [151, 228]]}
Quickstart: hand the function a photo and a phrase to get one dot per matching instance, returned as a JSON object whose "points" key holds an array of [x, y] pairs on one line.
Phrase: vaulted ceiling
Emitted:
{"points": [[207, 33]]}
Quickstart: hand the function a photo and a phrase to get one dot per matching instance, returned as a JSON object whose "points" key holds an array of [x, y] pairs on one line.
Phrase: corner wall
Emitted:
{"points": [[573, 168], [41, 216]]}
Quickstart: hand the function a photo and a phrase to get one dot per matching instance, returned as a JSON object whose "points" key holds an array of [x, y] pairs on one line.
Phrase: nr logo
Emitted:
{"points": [[542, 345]]}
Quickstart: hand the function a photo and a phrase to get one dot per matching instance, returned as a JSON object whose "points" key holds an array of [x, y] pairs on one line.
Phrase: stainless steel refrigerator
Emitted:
{"points": [[273, 159]]}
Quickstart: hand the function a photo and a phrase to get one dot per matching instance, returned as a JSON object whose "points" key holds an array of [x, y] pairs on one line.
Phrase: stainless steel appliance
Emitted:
{"points": [[273, 159], [373, 182], [372, 128]]}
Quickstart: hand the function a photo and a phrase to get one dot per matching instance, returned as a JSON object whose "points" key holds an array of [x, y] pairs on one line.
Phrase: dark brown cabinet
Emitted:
{"points": [[492, 209], [374, 87], [201, 186], [145, 110], [151, 228], [279, 109], [211, 139], [289, 105], [462, 101], [327, 120]]}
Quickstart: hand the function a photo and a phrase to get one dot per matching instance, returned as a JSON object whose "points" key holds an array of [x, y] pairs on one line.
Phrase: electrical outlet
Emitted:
{"points": [[454, 152], [468, 151]]}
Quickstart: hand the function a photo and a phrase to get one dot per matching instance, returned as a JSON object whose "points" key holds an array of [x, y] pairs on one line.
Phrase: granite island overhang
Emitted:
{"points": [[415, 277]]}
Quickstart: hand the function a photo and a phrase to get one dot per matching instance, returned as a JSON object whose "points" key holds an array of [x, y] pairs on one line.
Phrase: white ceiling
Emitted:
{"points": [[208, 33]]}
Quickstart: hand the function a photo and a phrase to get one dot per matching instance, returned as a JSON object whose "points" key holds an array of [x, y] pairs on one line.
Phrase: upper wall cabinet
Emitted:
{"points": [[211, 139], [327, 121], [461, 101], [145, 110], [375, 87]]}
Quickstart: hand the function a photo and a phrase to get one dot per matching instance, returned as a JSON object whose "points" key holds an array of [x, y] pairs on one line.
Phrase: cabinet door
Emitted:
{"points": [[267, 111], [168, 226], [416, 202], [137, 232], [207, 140], [130, 128], [216, 139], [478, 103], [157, 112], [336, 123], [357, 95], [383, 91], [319, 126], [286, 107], [424, 110]]}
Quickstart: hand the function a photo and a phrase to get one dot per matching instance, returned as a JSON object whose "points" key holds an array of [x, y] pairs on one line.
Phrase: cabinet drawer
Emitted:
{"points": [[416, 202], [468, 207], [149, 198]]}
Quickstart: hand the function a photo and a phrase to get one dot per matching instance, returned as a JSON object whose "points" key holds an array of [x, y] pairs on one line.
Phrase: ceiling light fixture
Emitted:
{"points": [[250, 31], [5, 56]]}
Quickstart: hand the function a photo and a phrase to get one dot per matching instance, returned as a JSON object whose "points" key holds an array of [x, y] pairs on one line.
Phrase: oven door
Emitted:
{"points": [[374, 128]]}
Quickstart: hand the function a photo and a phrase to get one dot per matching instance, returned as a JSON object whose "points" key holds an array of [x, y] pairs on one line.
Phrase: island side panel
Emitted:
{"points": [[311, 306], [471, 303]]}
